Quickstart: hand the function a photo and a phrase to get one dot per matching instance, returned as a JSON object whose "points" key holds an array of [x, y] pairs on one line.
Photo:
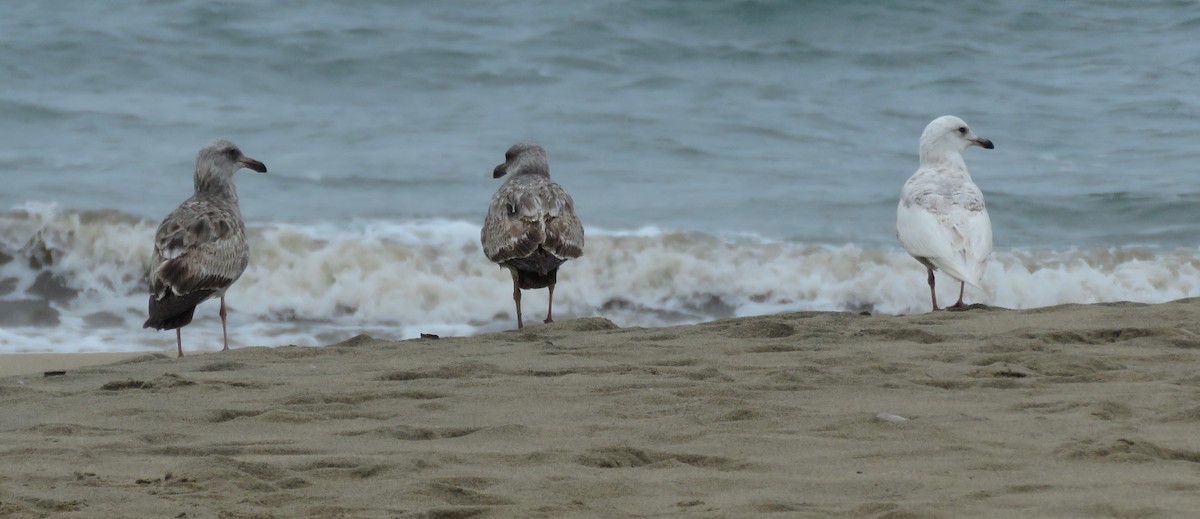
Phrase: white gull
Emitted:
{"points": [[942, 220]]}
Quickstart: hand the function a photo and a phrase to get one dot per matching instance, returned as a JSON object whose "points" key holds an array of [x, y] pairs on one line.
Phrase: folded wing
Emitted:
{"points": [[526, 215], [953, 233], [199, 251]]}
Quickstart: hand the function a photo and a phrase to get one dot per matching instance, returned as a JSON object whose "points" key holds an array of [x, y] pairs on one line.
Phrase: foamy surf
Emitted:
{"points": [[75, 281]]}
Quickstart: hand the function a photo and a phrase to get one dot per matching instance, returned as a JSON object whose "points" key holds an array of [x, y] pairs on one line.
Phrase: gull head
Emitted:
{"points": [[949, 135], [523, 158], [221, 159]]}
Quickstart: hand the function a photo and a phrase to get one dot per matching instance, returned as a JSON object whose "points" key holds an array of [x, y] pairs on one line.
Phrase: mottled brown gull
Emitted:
{"points": [[200, 249], [531, 228], [942, 220]]}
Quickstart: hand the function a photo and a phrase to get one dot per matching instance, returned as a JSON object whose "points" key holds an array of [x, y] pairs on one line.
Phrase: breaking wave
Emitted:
{"points": [[75, 280]]}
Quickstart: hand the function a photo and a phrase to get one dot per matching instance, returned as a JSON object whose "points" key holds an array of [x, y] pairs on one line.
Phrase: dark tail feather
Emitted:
{"points": [[537, 270], [174, 311], [528, 279]]}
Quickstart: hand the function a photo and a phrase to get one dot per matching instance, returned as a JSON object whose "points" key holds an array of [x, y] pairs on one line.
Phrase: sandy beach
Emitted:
{"points": [[1070, 411], [40, 363]]}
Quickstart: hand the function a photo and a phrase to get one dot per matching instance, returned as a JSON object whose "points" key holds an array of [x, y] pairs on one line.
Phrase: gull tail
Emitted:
{"points": [[174, 311], [970, 276]]}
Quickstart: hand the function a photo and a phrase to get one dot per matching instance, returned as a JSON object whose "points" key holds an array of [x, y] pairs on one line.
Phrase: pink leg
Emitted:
{"points": [[932, 294], [517, 299], [962, 288], [224, 331], [179, 340], [550, 308]]}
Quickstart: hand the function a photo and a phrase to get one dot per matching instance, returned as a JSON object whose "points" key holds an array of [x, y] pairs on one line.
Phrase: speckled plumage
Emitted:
{"points": [[200, 248], [531, 227]]}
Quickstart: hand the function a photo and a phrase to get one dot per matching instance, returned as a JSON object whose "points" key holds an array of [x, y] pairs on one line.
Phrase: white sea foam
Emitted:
{"points": [[311, 285]]}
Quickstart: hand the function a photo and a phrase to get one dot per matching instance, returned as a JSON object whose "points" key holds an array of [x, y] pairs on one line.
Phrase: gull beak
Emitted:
{"points": [[983, 143], [248, 162], [500, 171]]}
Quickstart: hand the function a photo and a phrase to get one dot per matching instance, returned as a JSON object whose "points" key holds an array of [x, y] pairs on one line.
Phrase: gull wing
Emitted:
{"points": [[953, 232]]}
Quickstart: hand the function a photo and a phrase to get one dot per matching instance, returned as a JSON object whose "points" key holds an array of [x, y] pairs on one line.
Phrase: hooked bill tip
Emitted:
{"points": [[253, 164]]}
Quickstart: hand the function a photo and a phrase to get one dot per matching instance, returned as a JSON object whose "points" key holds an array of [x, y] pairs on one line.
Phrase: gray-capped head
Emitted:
{"points": [[524, 158], [221, 159]]}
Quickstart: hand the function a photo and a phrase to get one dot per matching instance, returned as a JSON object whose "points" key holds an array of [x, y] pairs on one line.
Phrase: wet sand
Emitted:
{"points": [[39, 363]]}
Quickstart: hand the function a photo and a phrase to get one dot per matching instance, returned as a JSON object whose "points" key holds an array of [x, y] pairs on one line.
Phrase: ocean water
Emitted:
{"points": [[726, 157]]}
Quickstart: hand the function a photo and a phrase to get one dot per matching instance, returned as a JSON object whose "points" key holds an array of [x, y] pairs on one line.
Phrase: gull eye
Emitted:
{"points": [[962, 130], [232, 153]]}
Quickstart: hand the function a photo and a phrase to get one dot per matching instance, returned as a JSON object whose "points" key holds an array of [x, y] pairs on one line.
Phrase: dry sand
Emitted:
{"points": [[1071, 411]]}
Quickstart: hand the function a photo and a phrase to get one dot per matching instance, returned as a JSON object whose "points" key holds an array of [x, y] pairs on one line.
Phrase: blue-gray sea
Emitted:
{"points": [[726, 157]]}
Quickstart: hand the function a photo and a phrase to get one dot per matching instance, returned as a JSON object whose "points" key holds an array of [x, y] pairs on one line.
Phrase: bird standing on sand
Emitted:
{"points": [[200, 248], [531, 228], [941, 219]]}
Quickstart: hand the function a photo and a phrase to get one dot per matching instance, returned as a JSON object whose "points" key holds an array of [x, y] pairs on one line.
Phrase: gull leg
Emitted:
{"points": [[224, 331], [932, 294], [179, 340], [962, 288], [517, 299], [550, 307]]}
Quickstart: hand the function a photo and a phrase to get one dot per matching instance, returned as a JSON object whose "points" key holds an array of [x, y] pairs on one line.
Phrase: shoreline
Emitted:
{"points": [[31, 364]]}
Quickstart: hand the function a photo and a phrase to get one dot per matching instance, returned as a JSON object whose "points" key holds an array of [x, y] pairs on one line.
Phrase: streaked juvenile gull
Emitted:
{"points": [[200, 249], [531, 228], [942, 220]]}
